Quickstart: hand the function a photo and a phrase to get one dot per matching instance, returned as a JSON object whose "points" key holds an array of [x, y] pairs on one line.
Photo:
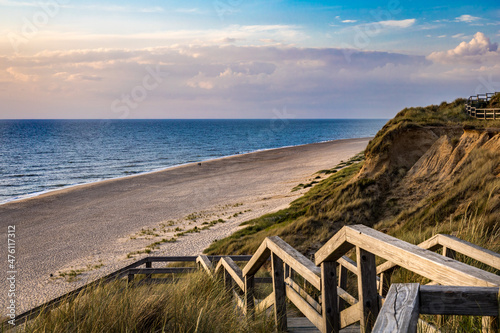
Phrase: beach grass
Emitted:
{"points": [[197, 303]]}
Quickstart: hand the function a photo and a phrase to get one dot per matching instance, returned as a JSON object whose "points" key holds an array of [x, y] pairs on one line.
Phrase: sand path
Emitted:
{"points": [[99, 224]]}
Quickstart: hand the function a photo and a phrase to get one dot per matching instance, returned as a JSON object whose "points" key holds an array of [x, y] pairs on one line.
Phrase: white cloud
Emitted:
{"points": [[398, 23], [460, 35], [442, 36], [349, 21], [467, 18], [479, 49]]}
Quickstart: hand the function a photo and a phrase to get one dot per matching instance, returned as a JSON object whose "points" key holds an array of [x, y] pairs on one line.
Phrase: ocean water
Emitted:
{"points": [[42, 155]]}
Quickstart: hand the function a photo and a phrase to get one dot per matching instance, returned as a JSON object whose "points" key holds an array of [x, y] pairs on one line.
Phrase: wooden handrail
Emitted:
{"points": [[406, 301], [470, 250], [229, 266], [423, 262]]}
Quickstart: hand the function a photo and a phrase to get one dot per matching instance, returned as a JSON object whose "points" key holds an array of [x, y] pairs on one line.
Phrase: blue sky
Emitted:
{"points": [[242, 58]]}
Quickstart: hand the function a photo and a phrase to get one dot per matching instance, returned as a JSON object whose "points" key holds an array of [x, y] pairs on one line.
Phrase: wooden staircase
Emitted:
{"points": [[318, 289]]}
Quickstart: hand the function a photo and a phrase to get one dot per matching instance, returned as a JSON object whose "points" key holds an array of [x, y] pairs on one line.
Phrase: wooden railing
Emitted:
{"points": [[318, 289], [476, 107], [405, 302]]}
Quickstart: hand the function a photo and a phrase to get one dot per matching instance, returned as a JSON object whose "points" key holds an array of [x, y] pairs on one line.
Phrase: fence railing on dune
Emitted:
{"points": [[476, 106], [318, 289]]}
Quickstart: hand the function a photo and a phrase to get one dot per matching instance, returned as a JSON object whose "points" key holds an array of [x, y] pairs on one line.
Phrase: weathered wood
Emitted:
{"points": [[312, 302], [300, 264], [329, 310], [334, 249], [305, 308], [279, 290], [265, 304], [228, 281], [149, 265], [453, 300], [240, 303], [264, 280], [205, 264], [350, 315], [348, 263], [233, 270], [490, 324], [342, 285], [423, 262], [351, 300], [367, 289], [257, 260], [167, 270], [473, 251], [385, 282], [400, 310], [249, 290]]}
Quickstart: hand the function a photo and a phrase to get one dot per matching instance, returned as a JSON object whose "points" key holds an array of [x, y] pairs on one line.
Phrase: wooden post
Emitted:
{"points": [[367, 289], [400, 310], [385, 282], [329, 310], [490, 324], [130, 279], [148, 265], [249, 295], [343, 285], [279, 293], [228, 280]]}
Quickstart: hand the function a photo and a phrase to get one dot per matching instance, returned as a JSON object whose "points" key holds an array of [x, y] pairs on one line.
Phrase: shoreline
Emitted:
{"points": [[30, 196], [96, 228]]}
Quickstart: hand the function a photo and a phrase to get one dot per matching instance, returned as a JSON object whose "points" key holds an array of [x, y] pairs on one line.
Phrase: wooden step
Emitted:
{"points": [[303, 325]]}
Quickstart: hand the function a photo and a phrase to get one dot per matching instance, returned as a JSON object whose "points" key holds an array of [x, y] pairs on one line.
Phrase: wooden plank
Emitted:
{"points": [[171, 259], [400, 310], [453, 300], [490, 324], [367, 289], [305, 308], [351, 300], [205, 264], [342, 285], [240, 303], [167, 270], [385, 282], [473, 251], [348, 263], [265, 304], [334, 249], [296, 260], [249, 289], [423, 262], [329, 310], [312, 302], [264, 280], [350, 315], [234, 271], [279, 290], [257, 260], [431, 244]]}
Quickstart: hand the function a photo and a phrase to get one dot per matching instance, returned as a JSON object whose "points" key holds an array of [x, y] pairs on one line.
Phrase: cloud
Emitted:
{"points": [[397, 23], [478, 50], [460, 35], [349, 21], [467, 18]]}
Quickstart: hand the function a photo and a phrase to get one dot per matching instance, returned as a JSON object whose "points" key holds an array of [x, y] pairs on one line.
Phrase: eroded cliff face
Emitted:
{"points": [[434, 173]]}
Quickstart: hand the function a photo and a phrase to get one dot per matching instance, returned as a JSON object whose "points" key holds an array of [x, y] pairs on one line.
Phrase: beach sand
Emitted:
{"points": [[98, 224]]}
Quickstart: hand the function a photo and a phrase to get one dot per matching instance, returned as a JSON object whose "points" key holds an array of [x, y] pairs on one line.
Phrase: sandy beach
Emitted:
{"points": [[96, 228]]}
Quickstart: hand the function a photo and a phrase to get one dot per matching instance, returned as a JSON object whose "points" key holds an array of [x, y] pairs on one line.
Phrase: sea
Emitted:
{"points": [[37, 156]]}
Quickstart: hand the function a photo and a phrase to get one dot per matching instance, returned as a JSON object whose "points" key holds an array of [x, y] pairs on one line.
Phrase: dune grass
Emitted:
{"points": [[196, 303]]}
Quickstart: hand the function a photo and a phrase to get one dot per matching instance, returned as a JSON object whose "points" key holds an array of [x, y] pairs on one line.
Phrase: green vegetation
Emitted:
{"points": [[196, 304], [305, 221], [72, 275]]}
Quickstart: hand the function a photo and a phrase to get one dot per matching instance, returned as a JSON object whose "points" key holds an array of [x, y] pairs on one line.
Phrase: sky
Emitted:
{"points": [[68, 59]]}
